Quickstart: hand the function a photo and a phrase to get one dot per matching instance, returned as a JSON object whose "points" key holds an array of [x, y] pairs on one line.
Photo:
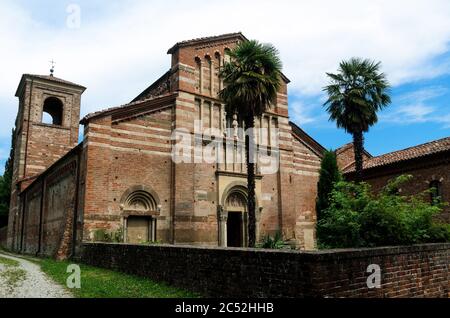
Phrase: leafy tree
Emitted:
{"points": [[358, 218], [355, 95], [329, 174], [251, 82], [5, 181]]}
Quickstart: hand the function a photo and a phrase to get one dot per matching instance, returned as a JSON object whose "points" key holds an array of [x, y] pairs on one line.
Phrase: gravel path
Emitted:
{"points": [[27, 281]]}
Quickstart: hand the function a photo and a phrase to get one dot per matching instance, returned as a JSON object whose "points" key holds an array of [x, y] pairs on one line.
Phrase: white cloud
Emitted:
{"points": [[118, 54], [418, 107], [303, 112]]}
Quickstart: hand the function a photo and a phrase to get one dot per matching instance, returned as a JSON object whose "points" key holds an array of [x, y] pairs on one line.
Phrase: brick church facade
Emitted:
{"points": [[123, 177]]}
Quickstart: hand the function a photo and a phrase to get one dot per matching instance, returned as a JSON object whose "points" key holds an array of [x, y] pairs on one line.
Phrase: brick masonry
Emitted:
{"points": [[129, 148], [48, 206], [412, 271]]}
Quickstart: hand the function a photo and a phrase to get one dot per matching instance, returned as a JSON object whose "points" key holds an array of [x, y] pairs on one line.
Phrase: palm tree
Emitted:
{"points": [[355, 95], [251, 81]]}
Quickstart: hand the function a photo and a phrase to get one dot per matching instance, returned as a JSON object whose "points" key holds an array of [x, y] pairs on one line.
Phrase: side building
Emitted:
{"points": [[428, 163]]}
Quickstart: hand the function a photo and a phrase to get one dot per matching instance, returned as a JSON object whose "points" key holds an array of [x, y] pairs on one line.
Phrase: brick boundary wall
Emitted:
{"points": [[411, 271], [3, 236]]}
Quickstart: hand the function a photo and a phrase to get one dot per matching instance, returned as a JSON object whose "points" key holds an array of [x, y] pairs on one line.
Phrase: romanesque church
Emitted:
{"points": [[122, 177]]}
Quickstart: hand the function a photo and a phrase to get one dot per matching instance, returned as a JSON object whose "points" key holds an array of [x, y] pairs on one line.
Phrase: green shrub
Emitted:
{"points": [[358, 218], [102, 235], [275, 242]]}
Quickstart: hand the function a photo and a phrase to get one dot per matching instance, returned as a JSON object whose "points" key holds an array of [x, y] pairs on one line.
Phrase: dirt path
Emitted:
{"points": [[20, 278]]}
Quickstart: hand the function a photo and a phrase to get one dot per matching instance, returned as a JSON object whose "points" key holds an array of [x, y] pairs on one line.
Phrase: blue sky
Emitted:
{"points": [[120, 47]]}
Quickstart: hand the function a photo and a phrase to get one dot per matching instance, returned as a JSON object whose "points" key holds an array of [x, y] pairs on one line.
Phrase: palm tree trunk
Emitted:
{"points": [[358, 144], [250, 144]]}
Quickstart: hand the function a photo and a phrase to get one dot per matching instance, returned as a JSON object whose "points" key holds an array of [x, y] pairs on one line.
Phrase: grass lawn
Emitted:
{"points": [[102, 283], [8, 262]]}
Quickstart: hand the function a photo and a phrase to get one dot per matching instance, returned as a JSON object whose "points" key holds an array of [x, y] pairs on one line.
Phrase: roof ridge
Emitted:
{"points": [[411, 147], [319, 148], [206, 38], [106, 110], [53, 78], [414, 152]]}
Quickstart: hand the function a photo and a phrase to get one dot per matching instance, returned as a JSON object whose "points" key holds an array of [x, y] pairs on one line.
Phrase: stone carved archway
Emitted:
{"points": [[140, 208], [234, 199]]}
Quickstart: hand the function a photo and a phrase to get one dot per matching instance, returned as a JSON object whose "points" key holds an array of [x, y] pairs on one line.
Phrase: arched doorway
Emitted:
{"points": [[140, 208], [236, 205]]}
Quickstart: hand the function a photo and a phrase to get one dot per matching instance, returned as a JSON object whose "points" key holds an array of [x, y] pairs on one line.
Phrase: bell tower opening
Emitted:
{"points": [[52, 111]]}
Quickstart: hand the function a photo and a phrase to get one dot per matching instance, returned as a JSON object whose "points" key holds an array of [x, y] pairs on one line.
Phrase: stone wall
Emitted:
{"points": [[414, 271], [46, 216]]}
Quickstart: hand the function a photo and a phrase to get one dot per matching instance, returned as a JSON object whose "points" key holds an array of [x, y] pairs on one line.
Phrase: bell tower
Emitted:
{"points": [[47, 126]]}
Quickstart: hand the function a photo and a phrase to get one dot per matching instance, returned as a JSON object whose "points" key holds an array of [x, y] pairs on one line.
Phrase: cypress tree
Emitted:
{"points": [[328, 176], [5, 183]]}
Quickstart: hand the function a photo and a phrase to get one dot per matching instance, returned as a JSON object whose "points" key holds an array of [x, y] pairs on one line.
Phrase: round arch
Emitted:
{"points": [[52, 111], [140, 199], [234, 205]]}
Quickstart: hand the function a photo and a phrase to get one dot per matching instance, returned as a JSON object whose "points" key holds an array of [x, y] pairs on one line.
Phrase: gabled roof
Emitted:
{"points": [[148, 91], [307, 140], [416, 152], [222, 37], [48, 78], [348, 146], [133, 108]]}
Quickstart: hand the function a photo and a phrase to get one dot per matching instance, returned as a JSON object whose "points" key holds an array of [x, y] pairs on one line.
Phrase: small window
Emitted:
{"points": [[436, 191], [52, 112]]}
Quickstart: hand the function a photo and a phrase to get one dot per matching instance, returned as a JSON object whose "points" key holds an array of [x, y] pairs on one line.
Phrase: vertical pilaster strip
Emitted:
{"points": [[201, 76], [212, 76]]}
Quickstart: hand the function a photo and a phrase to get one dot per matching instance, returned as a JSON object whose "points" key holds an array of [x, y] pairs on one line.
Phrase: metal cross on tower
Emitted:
{"points": [[52, 69]]}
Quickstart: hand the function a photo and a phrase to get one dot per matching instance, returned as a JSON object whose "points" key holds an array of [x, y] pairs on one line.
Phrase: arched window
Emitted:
{"points": [[52, 111], [208, 75], [198, 74], [436, 191], [227, 57], [218, 65]]}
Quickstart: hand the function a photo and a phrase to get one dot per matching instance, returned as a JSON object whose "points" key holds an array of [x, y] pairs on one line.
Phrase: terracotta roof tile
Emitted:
{"points": [[52, 78], [205, 39], [423, 150], [115, 109]]}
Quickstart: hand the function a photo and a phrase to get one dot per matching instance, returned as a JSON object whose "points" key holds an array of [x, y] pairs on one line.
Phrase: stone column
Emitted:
{"points": [[222, 218], [125, 230], [269, 132], [258, 219]]}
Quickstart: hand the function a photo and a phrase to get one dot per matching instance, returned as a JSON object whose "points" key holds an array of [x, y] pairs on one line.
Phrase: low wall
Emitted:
{"points": [[413, 271], [3, 236]]}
